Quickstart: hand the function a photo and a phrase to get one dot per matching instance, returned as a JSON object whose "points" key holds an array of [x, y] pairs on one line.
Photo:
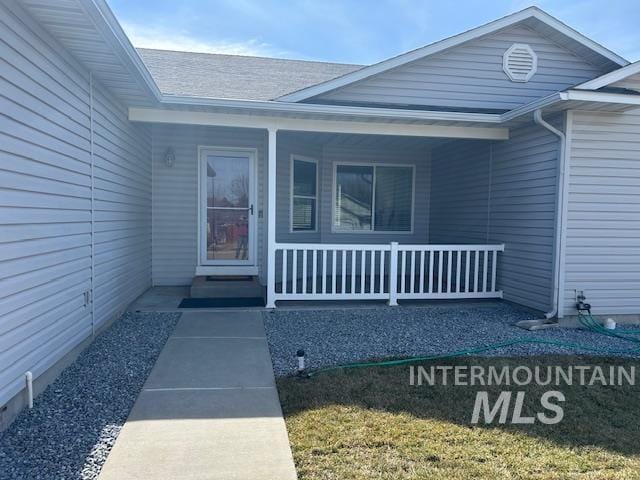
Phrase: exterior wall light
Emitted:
{"points": [[169, 157]]}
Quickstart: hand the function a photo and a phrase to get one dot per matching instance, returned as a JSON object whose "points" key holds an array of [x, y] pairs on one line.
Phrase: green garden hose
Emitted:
{"points": [[587, 321]]}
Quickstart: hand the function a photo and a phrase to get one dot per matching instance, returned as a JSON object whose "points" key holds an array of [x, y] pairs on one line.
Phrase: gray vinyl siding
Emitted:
{"points": [[603, 219], [502, 192], [524, 175], [471, 76], [460, 166], [45, 203], [175, 196]]}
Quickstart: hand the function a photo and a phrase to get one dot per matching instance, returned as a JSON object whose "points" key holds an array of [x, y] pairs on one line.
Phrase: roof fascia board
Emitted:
{"points": [[349, 111], [535, 105], [366, 72], [603, 97], [106, 22], [154, 115], [609, 78], [571, 95]]}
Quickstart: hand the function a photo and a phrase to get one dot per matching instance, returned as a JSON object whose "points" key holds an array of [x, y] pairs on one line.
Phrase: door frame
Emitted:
{"points": [[227, 267]]}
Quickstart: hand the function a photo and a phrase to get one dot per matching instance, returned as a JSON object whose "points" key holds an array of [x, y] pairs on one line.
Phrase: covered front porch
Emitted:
{"points": [[328, 209]]}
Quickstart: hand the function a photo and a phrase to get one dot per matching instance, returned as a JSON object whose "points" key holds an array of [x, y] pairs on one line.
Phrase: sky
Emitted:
{"points": [[351, 31]]}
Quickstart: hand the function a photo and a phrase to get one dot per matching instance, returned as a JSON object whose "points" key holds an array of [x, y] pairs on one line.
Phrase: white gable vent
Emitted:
{"points": [[520, 62]]}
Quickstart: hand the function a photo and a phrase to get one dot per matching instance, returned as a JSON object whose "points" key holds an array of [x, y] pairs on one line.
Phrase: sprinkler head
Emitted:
{"points": [[301, 362]]}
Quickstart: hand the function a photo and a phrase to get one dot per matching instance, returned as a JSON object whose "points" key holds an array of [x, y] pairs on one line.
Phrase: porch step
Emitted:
{"points": [[225, 287]]}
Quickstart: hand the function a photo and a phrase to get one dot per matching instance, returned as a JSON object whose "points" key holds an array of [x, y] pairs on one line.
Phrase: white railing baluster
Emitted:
{"points": [[284, 271], [403, 266], [467, 270], [324, 271], [458, 253], [304, 271], [314, 271], [353, 271], [372, 272], [363, 269], [440, 255], [449, 269], [333, 271], [344, 271], [381, 271], [485, 272], [412, 284], [494, 269], [422, 254], [294, 272], [431, 255], [476, 262]]}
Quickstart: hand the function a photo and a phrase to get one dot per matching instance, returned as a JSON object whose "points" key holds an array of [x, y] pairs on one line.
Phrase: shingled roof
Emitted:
{"points": [[235, 76]]}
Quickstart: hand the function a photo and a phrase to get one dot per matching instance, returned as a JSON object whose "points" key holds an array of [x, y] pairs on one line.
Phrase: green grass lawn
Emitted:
{"points": [[371, 424]]}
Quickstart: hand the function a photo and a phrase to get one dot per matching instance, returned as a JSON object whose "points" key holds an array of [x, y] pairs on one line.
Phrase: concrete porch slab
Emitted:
{"points": [[220, 324], [213, 362], [219, 434]]}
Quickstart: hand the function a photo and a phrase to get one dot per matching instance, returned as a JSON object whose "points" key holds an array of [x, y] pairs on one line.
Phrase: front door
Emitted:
{"points": [[227, 220]]}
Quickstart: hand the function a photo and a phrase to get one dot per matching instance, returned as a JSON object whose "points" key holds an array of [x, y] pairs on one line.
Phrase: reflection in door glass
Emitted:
{"points": [[227, 234], [227, 182]]}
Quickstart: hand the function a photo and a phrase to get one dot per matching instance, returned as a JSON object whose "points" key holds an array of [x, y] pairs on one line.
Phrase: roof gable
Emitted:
{"points": [[532, 17], [470, 76]]}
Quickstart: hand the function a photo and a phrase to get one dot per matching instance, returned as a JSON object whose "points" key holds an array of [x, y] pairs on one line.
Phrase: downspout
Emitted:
{"points": [[537, 118], [93, 246]]}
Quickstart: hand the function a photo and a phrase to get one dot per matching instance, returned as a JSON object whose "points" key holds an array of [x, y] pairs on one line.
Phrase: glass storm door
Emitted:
{"points": [[227, 221]]}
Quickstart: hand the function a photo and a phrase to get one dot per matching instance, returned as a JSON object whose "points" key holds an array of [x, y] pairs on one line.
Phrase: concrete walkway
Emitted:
{"points": [[209, 409]]}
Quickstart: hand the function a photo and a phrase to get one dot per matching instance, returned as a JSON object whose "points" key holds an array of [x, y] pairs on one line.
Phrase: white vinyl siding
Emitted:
{"points": [[603, 219], [45, 203], [502, 192], [175, 196], [472, 76]]}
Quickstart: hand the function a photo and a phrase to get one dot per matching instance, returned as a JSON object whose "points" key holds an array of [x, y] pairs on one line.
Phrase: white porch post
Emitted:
{"points": [[271, 219], [393, 274]]}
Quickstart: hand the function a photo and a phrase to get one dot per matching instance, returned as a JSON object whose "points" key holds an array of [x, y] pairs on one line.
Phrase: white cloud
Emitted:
{"points": [[163, 38]]}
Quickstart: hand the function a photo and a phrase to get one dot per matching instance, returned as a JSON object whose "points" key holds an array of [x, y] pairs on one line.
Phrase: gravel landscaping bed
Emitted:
{"points": [[334, 337], [75, 421]]}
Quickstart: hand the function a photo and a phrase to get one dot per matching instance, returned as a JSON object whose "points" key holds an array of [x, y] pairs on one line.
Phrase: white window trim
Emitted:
{"points": [[301, 158], [338, 230]]}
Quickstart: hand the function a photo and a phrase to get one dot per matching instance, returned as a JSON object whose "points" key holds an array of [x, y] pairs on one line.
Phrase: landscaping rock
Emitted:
{"points": [[337, 337], [75, 421]]}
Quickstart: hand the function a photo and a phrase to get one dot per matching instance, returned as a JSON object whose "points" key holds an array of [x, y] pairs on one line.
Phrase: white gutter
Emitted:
{"points": [[562, 175], [356, 112]]}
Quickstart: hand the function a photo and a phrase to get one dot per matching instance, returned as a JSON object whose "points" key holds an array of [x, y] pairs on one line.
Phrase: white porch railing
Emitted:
{"points": [[392, 271]]}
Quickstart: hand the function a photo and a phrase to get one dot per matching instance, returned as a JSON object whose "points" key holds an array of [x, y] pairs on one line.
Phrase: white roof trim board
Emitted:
{"points": [[531, 12], [611, 77]]}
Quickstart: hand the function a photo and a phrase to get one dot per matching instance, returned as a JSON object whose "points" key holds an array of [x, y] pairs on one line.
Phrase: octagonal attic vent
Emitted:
{"points": [[520, 62]]}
